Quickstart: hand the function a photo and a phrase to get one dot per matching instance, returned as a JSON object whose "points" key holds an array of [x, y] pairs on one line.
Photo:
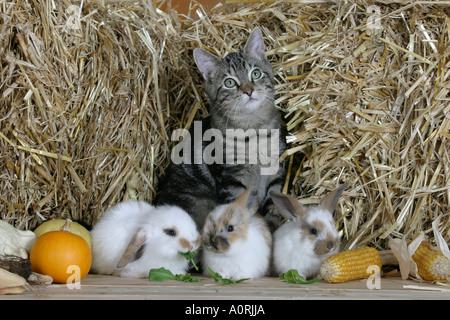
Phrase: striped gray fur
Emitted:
{"points": [[247, 106]]}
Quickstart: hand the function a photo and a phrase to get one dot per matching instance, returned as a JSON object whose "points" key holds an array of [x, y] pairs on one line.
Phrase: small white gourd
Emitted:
{"points": [[14, 241]]}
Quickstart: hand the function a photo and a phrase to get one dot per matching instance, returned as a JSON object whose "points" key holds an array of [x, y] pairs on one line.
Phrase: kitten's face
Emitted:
{"points": [[241, 82]]}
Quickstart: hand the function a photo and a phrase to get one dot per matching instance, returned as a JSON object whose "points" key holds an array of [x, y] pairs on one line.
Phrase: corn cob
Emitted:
{"points": [[431, 264], [350, 265]]}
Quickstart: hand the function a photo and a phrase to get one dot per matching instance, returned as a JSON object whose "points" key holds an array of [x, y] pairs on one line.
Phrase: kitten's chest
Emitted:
{"points": [[251, 147]]}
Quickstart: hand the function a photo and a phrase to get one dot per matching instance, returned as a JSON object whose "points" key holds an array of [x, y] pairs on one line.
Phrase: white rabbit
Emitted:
{"points": [[236, 241], [308, 237], [133, 237]]}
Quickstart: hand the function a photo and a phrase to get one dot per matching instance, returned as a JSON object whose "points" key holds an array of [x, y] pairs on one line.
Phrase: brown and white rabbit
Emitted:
{"points": [[236, 240], [308, 237], [133, 237]]}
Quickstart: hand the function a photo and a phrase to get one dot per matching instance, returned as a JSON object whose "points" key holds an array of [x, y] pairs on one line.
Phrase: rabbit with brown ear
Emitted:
{"points": [[236, 241], [133, 237], [308, 237]]}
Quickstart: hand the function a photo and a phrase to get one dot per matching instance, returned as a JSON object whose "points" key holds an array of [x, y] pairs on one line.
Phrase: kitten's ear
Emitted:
{"points": [[206, 62], [255, 45]]}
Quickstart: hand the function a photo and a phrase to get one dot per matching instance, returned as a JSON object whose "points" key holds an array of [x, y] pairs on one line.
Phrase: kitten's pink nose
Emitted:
{"points": [[247, 88]]}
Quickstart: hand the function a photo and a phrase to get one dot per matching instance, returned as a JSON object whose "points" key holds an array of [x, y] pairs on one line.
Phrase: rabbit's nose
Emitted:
{"points": [[195, 244], [212, 243]]}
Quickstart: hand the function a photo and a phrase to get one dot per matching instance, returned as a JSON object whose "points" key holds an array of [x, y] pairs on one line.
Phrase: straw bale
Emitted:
{"points": [[89, 99]]}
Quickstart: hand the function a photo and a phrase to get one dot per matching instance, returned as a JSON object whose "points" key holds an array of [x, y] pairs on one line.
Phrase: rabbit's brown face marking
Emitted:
{"points": [[226, 228], [236, 219], [316, 232], [326, 246], [190, 246], [311, 230], [184, 243], [327, 242]]}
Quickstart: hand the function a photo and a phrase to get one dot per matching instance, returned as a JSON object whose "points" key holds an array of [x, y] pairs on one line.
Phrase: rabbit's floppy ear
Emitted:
{"points": [[133, 247], [330, 200], [288, 206]]}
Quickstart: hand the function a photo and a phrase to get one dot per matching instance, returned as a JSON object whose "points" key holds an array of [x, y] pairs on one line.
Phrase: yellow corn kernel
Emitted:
{"points": [[431, 264], [350, 265]]}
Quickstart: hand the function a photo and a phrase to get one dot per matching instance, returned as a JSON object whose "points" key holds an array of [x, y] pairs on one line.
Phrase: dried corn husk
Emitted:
{"points": [[11, 283], [404, 251], [40, 279]]}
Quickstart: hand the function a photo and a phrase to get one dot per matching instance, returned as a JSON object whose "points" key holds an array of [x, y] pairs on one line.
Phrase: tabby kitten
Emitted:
{"points": [[240, 89]]}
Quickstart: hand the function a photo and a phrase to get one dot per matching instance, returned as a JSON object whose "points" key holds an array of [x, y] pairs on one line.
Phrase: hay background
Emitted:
{"points": [[88, 103]]}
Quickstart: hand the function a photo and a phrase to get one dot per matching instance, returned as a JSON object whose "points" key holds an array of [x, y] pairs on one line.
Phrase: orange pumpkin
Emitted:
{"points": [[59, 253]]}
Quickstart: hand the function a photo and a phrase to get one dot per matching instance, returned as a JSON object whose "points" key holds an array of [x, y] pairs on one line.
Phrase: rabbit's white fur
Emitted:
{"points": [[293, 250], [113, 233], [247, 250], [308, 237]]}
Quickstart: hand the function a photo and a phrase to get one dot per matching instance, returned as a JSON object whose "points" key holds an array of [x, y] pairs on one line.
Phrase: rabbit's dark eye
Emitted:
{"points": [[170, 232], [230, 228], [313, 231]]}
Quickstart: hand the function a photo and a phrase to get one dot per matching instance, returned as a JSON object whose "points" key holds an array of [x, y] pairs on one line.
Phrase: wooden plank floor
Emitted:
{"points": [[268, 288]]}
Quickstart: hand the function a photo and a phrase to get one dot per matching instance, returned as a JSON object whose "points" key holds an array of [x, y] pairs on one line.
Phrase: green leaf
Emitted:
{"points": [[292, 276], [160, 274], [186, 278], [163, 274], [190, 256], [218, 278]]}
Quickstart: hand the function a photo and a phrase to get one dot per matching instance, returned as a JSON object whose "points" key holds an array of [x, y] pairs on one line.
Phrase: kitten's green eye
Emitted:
{"points": [[256, 74], [229, 83]]}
